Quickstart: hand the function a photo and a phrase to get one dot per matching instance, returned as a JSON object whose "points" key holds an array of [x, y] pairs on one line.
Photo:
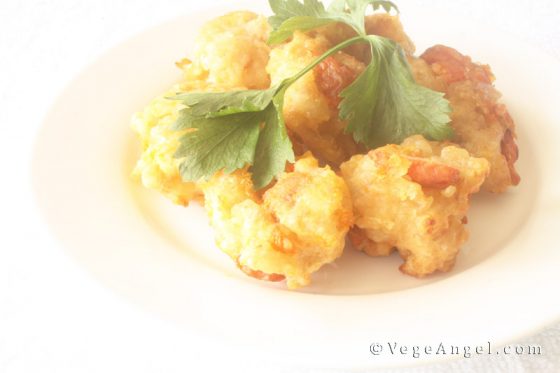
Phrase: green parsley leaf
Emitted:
{"points": [[301, 23], [226, 143], [223, 103], [291, 15], [286, 9], [233, 130], [385, 105], [386, 5]]}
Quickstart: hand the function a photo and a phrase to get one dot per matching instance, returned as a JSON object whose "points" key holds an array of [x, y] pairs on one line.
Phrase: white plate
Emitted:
{"points": [[162, 257]]}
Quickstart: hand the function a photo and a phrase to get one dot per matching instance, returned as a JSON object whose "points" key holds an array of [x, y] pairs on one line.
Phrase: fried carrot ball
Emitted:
{"points": [[481, 123], [413, 198], [157, 168], [232, 51], [297, 226]]}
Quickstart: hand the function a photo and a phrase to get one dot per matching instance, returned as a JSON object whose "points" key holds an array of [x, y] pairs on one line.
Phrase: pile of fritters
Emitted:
{"points": [[411, 197]]}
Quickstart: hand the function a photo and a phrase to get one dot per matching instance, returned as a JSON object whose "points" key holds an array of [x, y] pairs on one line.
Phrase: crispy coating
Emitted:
{"points": [[231, 51], [310, 110], [413, 198], [482, 125], [297, 226]]}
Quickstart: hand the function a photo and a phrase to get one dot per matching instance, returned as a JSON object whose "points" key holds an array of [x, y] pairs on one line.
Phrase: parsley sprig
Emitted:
{"points": [[229, 134], [230, 130]]}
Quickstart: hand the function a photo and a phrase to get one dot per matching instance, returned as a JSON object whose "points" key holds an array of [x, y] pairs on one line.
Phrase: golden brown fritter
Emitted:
{"points": [[481, 123], [413, 198], [297, 226], [157, 168]]}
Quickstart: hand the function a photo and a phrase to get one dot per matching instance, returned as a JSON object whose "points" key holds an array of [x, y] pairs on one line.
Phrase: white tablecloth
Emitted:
{"points": [[53, 316]]}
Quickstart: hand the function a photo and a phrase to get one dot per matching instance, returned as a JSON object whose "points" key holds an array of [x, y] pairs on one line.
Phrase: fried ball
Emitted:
{"points": [[157, 168], [481, 123], [413, 198], [297, 226], [310, 106], [231, 51]]}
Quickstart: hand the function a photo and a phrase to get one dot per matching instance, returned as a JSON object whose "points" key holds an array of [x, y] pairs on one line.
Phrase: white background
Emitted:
{"points": [[53, 316]]}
